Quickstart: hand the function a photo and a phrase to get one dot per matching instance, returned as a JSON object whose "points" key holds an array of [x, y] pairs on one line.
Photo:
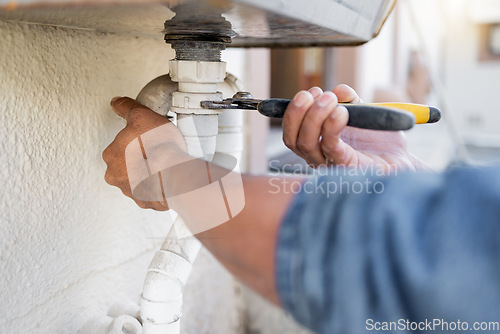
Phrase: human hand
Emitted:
{"points": [[315, 128], [140, 120]]}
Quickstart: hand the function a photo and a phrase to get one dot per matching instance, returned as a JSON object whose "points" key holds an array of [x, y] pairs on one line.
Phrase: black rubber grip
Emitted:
{"points": [[360, 116], [434, 115], [274, 108]]}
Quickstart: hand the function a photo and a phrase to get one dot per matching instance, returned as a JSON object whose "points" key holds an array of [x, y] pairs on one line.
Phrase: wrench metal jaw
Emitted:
{"points": [[240, 100]]}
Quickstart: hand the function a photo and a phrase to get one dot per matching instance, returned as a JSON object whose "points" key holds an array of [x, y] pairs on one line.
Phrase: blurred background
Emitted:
{"points": [[444, 53], [72, 246]]}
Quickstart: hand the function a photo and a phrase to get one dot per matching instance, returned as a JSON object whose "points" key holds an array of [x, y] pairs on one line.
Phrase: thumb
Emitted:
{"points": [[122, 106], [346, 94]]}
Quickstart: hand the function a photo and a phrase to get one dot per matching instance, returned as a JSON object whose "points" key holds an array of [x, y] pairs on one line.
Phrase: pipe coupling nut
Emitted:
{"points": [[197, 71]]}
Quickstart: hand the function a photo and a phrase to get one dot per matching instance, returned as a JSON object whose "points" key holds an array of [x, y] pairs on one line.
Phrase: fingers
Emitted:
{"points": [[140, 118], [313, 123], [294, 115], [116, 150], [315, 92], [119, 179], [308, 140], [314, 115], [122, 106], [346, 94], [157, 206], [140, 121], [333, 148]]}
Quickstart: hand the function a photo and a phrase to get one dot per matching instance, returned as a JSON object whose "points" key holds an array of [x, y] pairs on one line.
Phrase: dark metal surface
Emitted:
{"points": [[198, 31], [256, 23], [198, 21], [294, 23], [240, 100]]}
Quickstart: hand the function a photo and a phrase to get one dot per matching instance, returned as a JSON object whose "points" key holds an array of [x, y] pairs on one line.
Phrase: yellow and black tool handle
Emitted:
{"points": [[423, 114], [363, 116]]}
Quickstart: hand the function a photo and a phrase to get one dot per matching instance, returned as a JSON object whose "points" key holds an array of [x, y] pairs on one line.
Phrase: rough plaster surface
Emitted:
{"points": [[70, 245]]}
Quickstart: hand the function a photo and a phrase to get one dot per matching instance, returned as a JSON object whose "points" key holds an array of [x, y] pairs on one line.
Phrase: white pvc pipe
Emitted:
{"points": [[230, 136], [161, 299], [207, 135]]}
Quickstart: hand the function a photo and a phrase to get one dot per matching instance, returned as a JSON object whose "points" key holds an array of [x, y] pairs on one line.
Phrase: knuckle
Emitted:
{"points": [[329, 123], [310, 162], [158, 206], [108, 178], [303, 145], [335, 122], [106, 154], [326, 148], [329, 147], [141, 204], [288, 142], [126, 192], [135, 115]]}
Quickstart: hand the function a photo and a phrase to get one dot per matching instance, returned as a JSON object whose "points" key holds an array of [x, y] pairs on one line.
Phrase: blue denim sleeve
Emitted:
{"points": [[420, 247]]}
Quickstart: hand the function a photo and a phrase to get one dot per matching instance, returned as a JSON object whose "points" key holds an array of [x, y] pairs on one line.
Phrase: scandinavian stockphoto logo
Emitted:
{"points": [[206, 195], [331, 181]]}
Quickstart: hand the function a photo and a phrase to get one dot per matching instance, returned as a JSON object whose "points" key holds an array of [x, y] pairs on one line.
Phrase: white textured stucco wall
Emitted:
{"points": [[70, 245]]}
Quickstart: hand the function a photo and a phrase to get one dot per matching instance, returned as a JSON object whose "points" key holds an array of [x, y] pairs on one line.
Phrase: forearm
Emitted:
{"points": [[245, 244]]}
